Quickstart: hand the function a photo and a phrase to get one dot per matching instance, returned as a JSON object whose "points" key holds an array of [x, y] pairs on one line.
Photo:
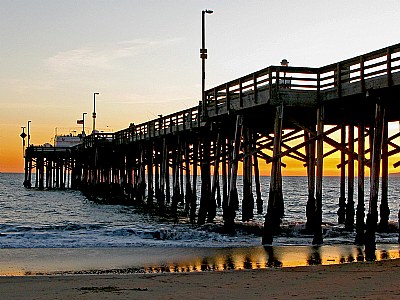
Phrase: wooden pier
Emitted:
{"points": [[247, 121]]}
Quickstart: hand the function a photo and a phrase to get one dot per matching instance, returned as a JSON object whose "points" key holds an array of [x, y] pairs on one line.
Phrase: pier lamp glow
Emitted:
{"points": [[203, 56], [94, 111]]}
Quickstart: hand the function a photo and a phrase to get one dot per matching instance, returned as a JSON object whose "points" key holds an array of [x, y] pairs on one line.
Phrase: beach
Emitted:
{"points": [[366, 280]]}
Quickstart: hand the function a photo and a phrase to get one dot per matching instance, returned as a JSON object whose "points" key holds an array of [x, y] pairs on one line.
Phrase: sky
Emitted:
{"points": [[143, 56]]}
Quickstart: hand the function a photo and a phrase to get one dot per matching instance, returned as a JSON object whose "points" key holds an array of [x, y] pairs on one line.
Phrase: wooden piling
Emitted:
{"points": [[349, 223], [150, 188], [384, 210], [156, 164], [193, 202], [311, 202], [215, 181], [248, 200], [188, 186], [224, 171], [163, 176], [360, 215], [275, 200], [342, 200], [167, 175], [206, 207], [257, 182], [175, 179], [318, 239], [229, 210], [372, 216]]}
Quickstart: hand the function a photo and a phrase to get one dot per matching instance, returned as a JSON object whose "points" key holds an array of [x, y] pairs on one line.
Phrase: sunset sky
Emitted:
{"points": [[143, 56]]}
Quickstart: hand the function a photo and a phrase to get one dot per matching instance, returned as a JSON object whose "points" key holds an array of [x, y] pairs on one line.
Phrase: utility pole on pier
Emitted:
{"points": [[29, 132], [203, 56], [94, 111], [23, 136]]}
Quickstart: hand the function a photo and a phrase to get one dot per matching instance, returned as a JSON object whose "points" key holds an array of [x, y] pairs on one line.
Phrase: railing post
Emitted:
{"points": [[389, 67], [215, 100], [338, 80], [240, 93], [255, 88], [277, 81], [362, 80], [228, 99]]}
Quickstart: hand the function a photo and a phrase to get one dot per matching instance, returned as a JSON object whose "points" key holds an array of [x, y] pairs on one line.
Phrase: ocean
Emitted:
{"points": [[30, 218], [61, 232]]}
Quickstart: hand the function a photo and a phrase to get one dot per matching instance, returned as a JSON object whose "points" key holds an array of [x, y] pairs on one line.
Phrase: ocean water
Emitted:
{"points": [[66, 219]]}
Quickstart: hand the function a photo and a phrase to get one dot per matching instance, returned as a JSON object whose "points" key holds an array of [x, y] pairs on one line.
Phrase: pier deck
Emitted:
{"points": [[256, 117]]}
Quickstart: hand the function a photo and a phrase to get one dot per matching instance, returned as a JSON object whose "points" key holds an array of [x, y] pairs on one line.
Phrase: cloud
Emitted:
{"points": [[91, 58], [23, 85]]}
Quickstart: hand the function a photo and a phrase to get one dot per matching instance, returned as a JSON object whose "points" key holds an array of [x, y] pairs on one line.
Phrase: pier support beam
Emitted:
{"points": [[193, 201], [188, 193], [205, 198], [275, 208], [259, 200], [384, 210], [372, 216], [215, 181], [175, 178], [360, 215], [310, 208], [232, 203], [349, 223], [163, 176], [248, 200], [318, 239], [224, 174], [342, 200], [150, 184]]}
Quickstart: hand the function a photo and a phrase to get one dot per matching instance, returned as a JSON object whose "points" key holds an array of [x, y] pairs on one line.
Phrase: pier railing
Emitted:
{"points": [[179, 121], [344, 78], [334, 78], [92, 139], [43, 149]]}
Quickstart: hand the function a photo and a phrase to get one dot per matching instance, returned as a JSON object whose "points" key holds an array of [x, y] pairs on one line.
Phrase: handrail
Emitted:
{"points": [[331, 77], [185, 119]]}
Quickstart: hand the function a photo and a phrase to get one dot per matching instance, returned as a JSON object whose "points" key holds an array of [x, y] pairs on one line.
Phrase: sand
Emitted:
{"points": [[367, 280]]}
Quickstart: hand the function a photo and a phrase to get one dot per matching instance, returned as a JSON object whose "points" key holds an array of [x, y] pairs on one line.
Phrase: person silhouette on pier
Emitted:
{"points": [[286, 81]]}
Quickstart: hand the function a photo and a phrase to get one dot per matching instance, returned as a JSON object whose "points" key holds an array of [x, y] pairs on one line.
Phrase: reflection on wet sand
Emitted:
{"points": [[273, 257], [157, 260]]}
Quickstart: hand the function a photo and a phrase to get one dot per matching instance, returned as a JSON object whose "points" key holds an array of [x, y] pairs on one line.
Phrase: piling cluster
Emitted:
{"points": [[274, 113]]}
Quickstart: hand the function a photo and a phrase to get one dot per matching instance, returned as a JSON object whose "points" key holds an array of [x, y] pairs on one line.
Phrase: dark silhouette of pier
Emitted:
{"points": [[246, 120]]}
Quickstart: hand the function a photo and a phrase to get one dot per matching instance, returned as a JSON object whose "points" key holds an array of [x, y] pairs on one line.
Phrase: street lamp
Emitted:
{"points": [[23, 136], [203, 56], [29, 132], [94, 111], [83, 124]]}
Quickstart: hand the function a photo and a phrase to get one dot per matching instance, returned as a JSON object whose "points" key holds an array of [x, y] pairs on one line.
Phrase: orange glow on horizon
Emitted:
{"points": [[11, 154]]}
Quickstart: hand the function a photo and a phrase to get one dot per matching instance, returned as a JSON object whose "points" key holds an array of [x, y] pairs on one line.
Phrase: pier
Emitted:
{"points": [[263, 117]]}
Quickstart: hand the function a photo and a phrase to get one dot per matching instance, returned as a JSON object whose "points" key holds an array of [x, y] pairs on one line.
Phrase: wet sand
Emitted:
{"points": [[301, 272], [69, 261], [367, 280]]}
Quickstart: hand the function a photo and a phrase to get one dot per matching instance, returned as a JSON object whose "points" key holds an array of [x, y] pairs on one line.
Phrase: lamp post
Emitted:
{"points": [[94, 111], [29, 132], [83, 124], [23, 136], [203, 56]]}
